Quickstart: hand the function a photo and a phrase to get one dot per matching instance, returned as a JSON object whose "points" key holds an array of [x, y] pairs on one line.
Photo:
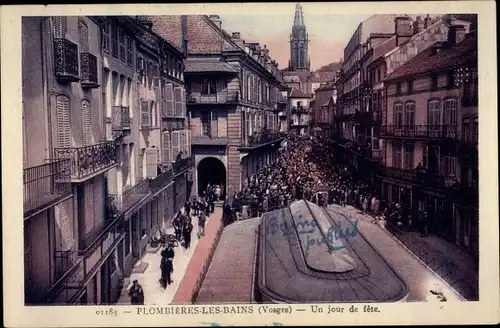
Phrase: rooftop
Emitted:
{"points": [[431, 60], [202, 65], [296, 93]]}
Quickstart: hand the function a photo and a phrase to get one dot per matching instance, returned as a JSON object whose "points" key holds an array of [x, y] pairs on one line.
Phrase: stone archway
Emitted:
{"points": [[211, 170]]}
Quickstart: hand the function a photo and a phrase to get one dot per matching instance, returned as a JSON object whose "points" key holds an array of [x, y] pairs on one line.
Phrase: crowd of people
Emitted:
{"points": [[310, 168]]}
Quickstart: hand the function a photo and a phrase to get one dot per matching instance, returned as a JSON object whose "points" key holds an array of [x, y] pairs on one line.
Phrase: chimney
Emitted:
{"points": [[403, 28], [427, 21], [216, 20], [236, 35], [265, 51], [456, 34]]}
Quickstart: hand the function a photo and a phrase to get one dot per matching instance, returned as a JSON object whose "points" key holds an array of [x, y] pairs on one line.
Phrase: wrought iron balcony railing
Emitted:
{"points": [[45, 184], [88, 160], [161, 180], [66, 60], [88, 69], [299, 110], [121, 118], [183, 164], [419, 131], [262, 138], [413, 176], [223, 97], [120, 203]]}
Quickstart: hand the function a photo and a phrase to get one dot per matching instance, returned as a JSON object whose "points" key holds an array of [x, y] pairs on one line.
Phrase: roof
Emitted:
{"points": [[341, 266], [384, 48], [322, 97], [447, 57], [201, 65], [296, 93]]}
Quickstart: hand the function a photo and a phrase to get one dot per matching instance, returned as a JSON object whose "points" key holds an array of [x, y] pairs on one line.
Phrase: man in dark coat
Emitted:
{"points": [[177, 223], [201, 224], [136, 294], [167, 268], [186, 231], [187, 207]]}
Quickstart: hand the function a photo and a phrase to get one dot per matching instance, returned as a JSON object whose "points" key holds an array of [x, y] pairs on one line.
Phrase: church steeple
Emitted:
{"points": [[299, 56]]}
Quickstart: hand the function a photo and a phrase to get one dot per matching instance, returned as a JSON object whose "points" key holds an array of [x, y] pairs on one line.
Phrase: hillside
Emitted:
{"points": [[332, 67]]}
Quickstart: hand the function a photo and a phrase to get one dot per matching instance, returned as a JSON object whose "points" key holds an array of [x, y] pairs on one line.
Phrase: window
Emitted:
{"points": [[408, 157], [398, 115], [470, 93], [409, 113], [63, 122], [167, 152], [114, 40], [208, 87], [130, 52], [434, 82], [205, 124], [450, 112], [450, 165], [169, 90], [86, 123], [433, 115], [398, 88], [123, 47], [410, 86], [106, 35], [179, 101], [397, 155], [450, 79], [466, 130], [145, 114]]}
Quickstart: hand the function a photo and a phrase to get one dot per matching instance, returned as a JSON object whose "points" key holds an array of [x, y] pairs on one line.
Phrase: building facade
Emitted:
{"points": [[108, 175], [323, 110], [300, 112], [431, 135], [232, 101]]}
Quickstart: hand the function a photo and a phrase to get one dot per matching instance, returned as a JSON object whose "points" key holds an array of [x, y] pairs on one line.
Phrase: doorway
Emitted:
{"points": [[211, 170]]}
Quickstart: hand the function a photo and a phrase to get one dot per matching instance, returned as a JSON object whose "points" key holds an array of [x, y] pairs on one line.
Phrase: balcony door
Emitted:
{"points": [[409, 117], [398, 117], [450, 115], [434, 118]]}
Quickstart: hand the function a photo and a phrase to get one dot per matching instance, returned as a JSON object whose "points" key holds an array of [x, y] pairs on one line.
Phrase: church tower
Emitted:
{"points": [[299, 55]]}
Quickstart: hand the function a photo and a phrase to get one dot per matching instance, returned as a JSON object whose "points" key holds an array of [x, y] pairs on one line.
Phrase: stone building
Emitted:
{"points": [[431, 134], [323, 107], [232, 100], [95, 193], [301, 113]]}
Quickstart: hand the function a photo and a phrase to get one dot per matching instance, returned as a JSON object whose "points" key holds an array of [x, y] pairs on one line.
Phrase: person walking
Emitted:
{"points": [[177, 223], [187, 229], [136, 294], [201, 224], [167, 268]]}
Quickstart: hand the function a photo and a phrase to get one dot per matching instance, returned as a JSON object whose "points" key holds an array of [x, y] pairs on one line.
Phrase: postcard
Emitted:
{"points": [[250, 164]]}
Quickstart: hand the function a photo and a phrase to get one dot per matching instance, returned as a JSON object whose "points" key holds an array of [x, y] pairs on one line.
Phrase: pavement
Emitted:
{"points": [[415, 267], [154, 294]]}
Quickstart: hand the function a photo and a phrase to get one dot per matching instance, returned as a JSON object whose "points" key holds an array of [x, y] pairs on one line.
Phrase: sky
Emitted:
{"points": [[328, 33]]}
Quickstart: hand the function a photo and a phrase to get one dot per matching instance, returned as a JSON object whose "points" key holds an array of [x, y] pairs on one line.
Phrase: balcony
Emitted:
{"points": [[76, 268], [88, 161], [161, 180], [121, 118], [425, 132], [45, 184], [120, 203], [66, 60], [262, 138], [183, 164], [209, 141], [224, 97], [88, 68], [300, 110], [414, 177]]}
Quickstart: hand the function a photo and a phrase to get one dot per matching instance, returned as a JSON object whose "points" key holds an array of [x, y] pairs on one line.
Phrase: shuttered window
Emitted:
{"points": [[114, 40], [145, 114], [151, 162], [169, 100], [167, 150], [60, 27], [188, 133], [183, 102], [63, 122], [89, 206], [130, 53], [86, 123], [122, 45], [65, 225], [83, 34], [184, 142], [175, 144], [106, 35], [178, 101]]}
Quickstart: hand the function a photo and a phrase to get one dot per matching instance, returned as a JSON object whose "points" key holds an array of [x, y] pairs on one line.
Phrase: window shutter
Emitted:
{"points": [[89, 206], [170, 100], [178, 102], [189, 142], [183, 102], [175, 145], [87, 124], [145, 114], [151, 162], [65, 226], [60, 27], [167, 154], [184, 143], [83, 34], [63, 122]]}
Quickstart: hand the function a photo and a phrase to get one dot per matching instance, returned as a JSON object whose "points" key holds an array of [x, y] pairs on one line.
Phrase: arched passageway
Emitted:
{"points": [[211, 170]]}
